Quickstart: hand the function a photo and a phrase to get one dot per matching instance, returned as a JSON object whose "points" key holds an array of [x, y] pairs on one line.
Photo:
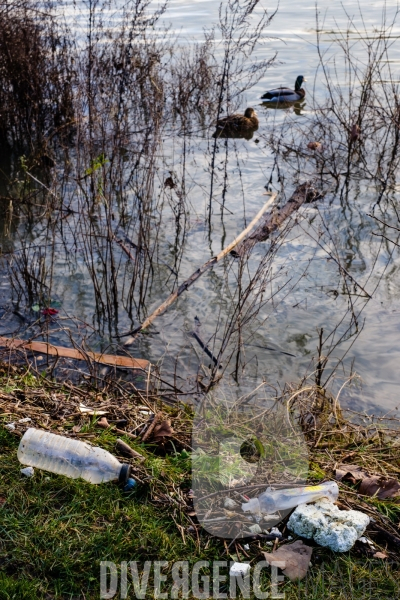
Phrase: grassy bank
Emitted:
{"points": [[55, 531]]}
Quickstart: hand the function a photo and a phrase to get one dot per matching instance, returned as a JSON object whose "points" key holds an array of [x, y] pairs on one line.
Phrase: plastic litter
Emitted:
{"points": [[130, 484], [85, 410], [69, 457], [239, 569], [272, 500], [275, 531], [328, 526], [28, 471], [10, 426], [25, 420]]}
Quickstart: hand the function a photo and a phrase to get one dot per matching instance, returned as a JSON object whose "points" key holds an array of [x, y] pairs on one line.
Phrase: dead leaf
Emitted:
{"points": [[355, 132], [103, 423], [351, 473], [164, 429], [314, 146], [296, 556], [380, 487], [380, 555], [169, 182]]}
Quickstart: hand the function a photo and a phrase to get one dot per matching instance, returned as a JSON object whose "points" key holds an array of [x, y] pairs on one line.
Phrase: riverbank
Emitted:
{"points": [[56, 531]]}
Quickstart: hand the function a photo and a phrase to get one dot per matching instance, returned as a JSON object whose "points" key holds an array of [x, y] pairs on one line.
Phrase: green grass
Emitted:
{"points": [[54, 532]]}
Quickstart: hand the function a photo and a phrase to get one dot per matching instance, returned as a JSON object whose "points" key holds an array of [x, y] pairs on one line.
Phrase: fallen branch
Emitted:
{"points": [[104, 424], [124, 448], [302, 194], [105, 359], [386, 536], [204, 346], [195, 276], [149, 431]]}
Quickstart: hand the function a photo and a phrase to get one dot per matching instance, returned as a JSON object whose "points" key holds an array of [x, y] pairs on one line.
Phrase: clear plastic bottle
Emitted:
{"points": [[72, 458], [271, 501]]}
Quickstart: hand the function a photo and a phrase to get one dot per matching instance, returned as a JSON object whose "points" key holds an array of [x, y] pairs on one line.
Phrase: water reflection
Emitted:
{"points": [[296, 107], [229, 134], [152, 237]]}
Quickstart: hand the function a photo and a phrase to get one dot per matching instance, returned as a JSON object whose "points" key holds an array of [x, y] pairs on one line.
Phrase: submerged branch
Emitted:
{"points": [[210, 263]]}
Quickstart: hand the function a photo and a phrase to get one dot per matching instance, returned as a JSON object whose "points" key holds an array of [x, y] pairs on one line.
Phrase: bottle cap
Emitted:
{"points": [[124, 474]]}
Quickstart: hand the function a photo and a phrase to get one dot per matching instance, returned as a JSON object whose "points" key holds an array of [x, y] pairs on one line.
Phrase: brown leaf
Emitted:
{"points": [[164, 429], [314, 146], [169, 182], [296, 557], [351, 473], [380, 555], [380, 487], [355, 132]]}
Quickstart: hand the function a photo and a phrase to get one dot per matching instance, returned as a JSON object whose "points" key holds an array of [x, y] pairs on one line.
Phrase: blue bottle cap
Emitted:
{"points": [[130, 484]]}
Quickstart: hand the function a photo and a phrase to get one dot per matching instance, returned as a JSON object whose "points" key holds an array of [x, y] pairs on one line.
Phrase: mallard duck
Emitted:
{"points": [[283, 94], [240, 124]]}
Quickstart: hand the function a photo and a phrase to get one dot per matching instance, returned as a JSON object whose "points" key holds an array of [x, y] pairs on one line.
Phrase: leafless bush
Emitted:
{"points": [[36, 76]]}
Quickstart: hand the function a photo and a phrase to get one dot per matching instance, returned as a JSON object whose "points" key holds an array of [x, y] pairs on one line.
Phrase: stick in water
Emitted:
{"points": [[210, 263]]}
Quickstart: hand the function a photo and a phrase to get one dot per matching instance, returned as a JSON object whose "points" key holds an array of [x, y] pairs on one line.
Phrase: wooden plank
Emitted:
{"points": [[105, 359]]}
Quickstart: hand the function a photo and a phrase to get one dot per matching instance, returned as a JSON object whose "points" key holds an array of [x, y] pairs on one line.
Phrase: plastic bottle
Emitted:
{"points": [[271, 501], [69, 457]]}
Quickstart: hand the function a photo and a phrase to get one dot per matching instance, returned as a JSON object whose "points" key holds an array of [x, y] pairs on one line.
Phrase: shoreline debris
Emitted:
{"points": [[272, 501], [69, 457], [327, 525], [44, 348]]}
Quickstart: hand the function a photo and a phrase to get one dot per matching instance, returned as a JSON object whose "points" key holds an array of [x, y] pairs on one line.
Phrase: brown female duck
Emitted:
{"points": [[239, 125]]}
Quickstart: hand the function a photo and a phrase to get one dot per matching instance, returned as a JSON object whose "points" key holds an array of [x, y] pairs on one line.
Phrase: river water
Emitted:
{"points": [[281, 343]]}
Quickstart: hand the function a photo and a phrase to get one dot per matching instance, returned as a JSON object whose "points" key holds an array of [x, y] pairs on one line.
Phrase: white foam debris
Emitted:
{"points": [[327, 525], [28, 471], [239, 569]]}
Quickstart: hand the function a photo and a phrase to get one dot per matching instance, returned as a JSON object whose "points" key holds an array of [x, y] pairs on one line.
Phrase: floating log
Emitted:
{"points": [[104, 359], [302, 194]]}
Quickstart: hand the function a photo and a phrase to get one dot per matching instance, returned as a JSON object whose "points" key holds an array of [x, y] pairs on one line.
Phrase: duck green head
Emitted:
{"points": [[299, 82]]}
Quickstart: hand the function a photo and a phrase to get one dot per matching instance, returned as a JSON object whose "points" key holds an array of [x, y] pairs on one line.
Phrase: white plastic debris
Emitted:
{"points": [[270, 518], [275, 531], [85, 410], [25, 420], [246, 547], [239, 569], [328, 525], [272, 500], [10, 426], [28, 471]]}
